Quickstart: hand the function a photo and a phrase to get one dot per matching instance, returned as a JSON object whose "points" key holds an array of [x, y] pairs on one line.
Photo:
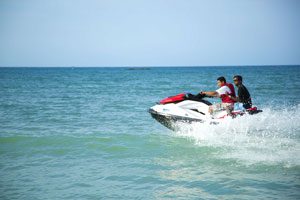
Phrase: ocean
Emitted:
{"points": [[85, 133]]}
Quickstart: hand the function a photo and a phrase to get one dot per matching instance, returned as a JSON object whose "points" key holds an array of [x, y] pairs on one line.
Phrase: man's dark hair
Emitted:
{"points": [[238, 77], [222, 79]]}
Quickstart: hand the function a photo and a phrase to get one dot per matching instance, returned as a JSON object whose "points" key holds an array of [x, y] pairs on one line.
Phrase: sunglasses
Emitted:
{"points": [[235, 80]]}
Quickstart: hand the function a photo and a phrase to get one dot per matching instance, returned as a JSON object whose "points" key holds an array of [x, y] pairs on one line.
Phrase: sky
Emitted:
{"points": [[149, 32]]}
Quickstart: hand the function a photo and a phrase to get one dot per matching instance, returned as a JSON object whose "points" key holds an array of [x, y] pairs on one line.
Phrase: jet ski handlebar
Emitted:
{"points": [[198, 96]]}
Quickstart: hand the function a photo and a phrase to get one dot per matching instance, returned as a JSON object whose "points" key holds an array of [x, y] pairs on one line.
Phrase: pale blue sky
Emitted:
{"points": [[149, 32]]}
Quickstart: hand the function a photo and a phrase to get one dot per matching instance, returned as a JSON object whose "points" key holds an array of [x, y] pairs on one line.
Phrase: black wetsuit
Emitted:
{"points": [[244, 96]]}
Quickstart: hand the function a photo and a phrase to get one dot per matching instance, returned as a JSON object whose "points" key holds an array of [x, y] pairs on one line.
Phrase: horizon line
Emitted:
{"points": [[145, 66]]}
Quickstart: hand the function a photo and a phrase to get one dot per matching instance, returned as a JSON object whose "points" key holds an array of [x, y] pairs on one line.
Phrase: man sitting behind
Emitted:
{"points": [[243, 94], [224, 90]]}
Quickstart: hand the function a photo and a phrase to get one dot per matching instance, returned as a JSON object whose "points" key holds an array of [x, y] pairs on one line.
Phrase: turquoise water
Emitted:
{"points": [[84, 133]]}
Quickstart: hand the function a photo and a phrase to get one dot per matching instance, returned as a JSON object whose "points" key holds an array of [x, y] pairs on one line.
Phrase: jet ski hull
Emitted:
{"points": [[170, 121]]}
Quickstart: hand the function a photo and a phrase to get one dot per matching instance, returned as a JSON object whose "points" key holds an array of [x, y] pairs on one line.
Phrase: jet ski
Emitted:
{"points": [[189, 108]]}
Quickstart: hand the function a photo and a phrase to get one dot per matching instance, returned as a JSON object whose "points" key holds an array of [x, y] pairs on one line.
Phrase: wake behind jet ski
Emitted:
{"points": [[187, 108]]}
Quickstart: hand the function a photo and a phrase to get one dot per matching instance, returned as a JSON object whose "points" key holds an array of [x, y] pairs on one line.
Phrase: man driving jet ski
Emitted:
{"points": [[225, 89]]}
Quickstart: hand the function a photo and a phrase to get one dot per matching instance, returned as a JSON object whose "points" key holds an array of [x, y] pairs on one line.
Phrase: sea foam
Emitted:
{"points": [[270, 137]]}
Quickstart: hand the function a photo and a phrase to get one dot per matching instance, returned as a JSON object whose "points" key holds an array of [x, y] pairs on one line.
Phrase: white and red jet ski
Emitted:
{"points": [[189, 108]]}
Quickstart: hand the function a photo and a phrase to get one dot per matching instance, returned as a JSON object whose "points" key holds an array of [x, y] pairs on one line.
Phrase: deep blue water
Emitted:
{"points": [[85, 133]]}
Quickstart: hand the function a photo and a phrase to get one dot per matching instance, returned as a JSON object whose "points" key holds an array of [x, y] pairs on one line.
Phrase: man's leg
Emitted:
{"points": [[211, 109], [228, 107], [214, 108]]}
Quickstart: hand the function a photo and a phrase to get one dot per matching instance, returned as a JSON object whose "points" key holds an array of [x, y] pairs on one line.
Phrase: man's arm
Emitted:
{"points": [[234, 98], [211, 93]]}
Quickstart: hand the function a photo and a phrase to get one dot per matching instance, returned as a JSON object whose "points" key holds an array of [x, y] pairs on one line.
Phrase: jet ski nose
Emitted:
{"points": [[150, 110]]}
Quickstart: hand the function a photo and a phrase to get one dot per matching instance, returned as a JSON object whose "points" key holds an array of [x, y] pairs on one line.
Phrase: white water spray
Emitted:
{"points": [[270, 137]]}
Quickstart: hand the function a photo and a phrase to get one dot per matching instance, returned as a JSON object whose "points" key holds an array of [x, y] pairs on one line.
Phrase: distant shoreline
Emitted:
{"points": [[148, 67]]}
